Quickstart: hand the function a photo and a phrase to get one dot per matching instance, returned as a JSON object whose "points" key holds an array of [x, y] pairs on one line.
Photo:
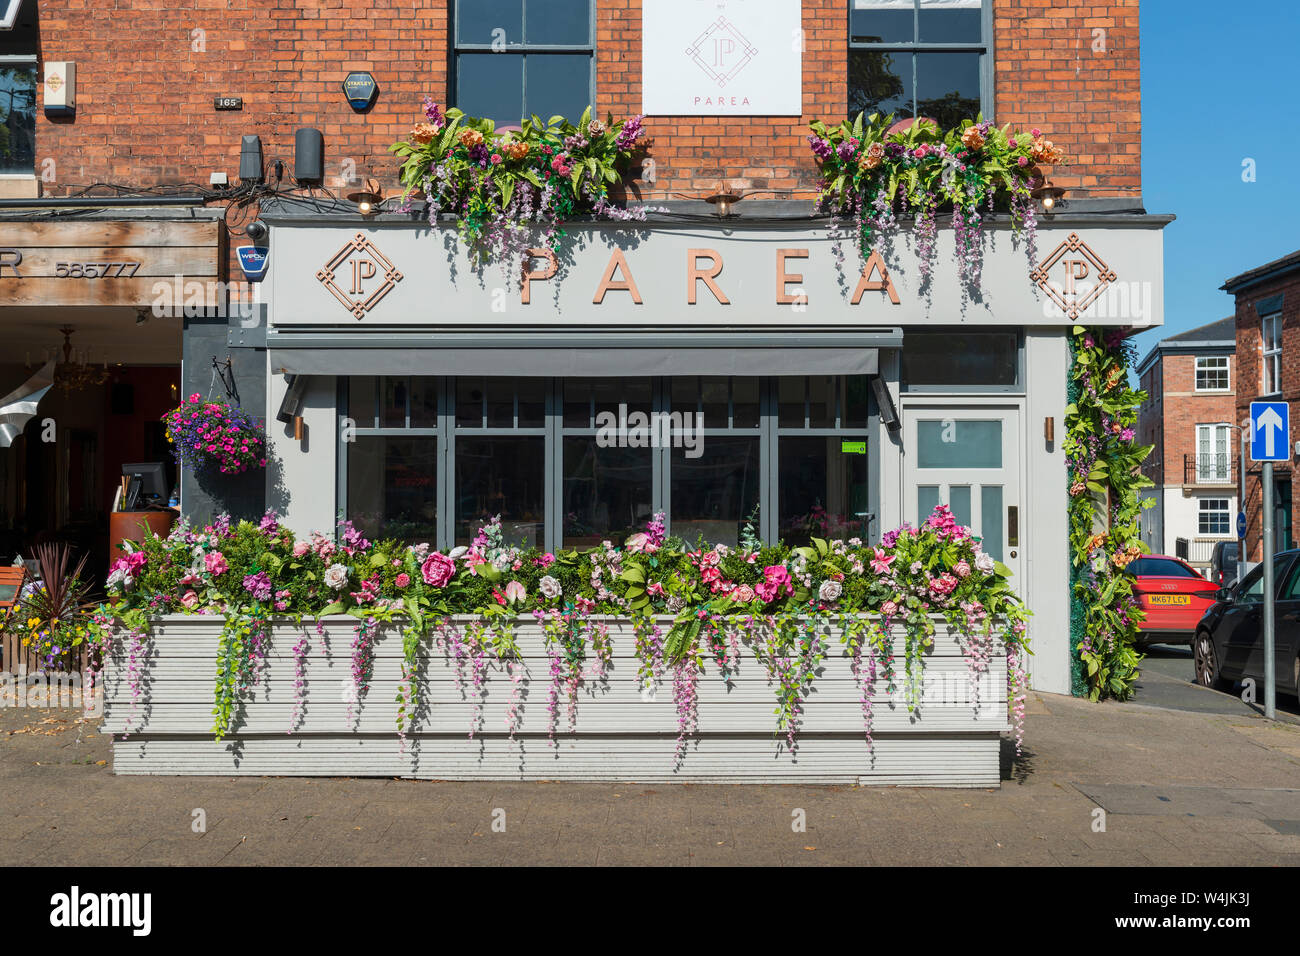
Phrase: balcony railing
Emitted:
{"points": [[1209, 470]]}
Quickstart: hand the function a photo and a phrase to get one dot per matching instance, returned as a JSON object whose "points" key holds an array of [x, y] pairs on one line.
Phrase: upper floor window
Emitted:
{"points": [[1212, 373], [17, 88], [1272, 358], [920, 58], [517, 58]]}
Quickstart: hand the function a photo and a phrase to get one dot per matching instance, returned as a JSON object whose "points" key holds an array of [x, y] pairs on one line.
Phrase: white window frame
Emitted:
{"points": [[1212, 365], [1205, 465], [1202, 512], [1270, 358]]}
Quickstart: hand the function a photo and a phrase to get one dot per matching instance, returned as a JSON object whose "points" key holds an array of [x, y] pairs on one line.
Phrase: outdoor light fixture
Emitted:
{"points": [[369, 199], [1047, 194], [724, 201]]}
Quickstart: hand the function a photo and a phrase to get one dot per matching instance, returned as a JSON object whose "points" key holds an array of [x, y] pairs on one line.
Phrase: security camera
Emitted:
{"points": [[256, 230]]}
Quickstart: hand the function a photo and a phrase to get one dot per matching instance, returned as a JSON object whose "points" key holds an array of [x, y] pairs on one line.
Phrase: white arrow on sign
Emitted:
{"points": [[1269, 423]]}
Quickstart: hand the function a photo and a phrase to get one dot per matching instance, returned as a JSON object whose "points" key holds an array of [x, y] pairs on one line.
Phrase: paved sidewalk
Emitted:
{"points": [[1176, 787]]}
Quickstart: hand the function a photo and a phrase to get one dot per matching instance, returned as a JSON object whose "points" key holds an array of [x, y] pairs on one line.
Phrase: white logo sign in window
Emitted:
{"points": [[728, 58]]}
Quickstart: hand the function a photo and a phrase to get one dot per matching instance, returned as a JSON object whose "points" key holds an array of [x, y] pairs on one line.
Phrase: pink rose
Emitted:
{"points": [[743, 593], [889, 609], [403, 580], [300, 548], [962, 569], [215, 562], [190, 599], [637, 542], [437, 570]]}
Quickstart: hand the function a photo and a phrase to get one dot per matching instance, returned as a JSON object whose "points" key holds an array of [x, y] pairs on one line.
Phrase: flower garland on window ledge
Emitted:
{"points": [[1105, 477], [874, 171], [784, 602], [504, 185]]}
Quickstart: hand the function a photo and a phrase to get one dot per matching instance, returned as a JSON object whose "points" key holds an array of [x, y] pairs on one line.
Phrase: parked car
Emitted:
{"points": [[1223, 563], [1174, 597], [1229, 643]]}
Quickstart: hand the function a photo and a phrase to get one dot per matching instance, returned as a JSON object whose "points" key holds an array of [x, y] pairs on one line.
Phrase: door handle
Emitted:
{"points": [[1013, 526]]}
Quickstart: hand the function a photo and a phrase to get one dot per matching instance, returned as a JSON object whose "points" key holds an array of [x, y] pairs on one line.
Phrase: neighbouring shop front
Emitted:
{"points": [[90, 363], [734, 376]]}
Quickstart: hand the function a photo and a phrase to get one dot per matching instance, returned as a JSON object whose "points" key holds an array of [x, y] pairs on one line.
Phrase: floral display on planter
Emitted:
{"points": [[873, 173], [786, 602], [502, 185], [210, 433], [1105, 477]]}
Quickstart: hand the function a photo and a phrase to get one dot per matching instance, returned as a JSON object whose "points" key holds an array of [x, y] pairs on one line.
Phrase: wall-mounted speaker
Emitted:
{"points": [[308, 155]]}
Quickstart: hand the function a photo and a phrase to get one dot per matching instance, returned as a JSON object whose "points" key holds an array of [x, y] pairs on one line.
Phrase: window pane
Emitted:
{"points": [[500, 402], [392, 487], [790, 402], [577, 403], [491, 85], [684, 392], [823, 490], [880, 83], [424, 402], [558, 83], [882, 21], [502, 475], [744, 402], [991, 519], [948, 87], [951, 21], [532, 402], [18, 118], [959, 443], [715, 402], [476, 19], [822, 401], [927, 499], [610, 394], [361, 400], [959, 502], [713, 495], [469, 402], [559, 21], [392, 409], [855, 401], [956, 358], [607, 492]]}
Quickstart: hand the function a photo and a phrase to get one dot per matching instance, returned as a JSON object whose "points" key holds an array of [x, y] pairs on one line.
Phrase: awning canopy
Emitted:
{"points": [[589, 354]]}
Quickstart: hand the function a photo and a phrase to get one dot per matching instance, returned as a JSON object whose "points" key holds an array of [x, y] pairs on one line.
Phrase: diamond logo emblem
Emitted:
{"points": [[721, 51], [359, 275], [1072, 262]]}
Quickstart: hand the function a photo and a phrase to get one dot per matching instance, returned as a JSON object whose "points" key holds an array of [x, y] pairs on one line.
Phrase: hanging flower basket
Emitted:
{"points": [[208, 434]]}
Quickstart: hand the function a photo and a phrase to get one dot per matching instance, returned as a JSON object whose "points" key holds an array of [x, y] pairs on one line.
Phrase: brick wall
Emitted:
{"points": [[147, 74], [1249, 353]]}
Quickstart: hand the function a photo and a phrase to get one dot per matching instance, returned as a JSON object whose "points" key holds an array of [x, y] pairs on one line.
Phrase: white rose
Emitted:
{"points": [[984, 562], [550, 587], [830, 590], [336, 576]]}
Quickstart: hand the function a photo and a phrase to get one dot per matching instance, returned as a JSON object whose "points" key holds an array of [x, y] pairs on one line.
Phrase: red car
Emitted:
{"points": [[1174, 596]]}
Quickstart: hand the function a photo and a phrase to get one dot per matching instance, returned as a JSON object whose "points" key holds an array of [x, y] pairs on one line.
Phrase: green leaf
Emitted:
{"points": [[632, 573], [335, 608]]}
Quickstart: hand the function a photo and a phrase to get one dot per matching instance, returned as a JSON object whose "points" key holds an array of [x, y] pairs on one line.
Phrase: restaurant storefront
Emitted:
{"points": [[733, 376]]}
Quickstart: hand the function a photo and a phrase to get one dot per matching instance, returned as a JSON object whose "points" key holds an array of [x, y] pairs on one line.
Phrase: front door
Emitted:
{"points": [[969, 460]]}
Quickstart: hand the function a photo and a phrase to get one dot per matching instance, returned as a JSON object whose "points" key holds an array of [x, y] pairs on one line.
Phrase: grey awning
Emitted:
{"points": [[583, 354]]}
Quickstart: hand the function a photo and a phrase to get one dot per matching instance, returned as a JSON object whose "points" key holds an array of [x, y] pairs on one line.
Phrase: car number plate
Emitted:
{"points": [[1178, 599]]}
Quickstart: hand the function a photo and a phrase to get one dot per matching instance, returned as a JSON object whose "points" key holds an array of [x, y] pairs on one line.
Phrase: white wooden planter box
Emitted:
{"points": [[621, 733]]}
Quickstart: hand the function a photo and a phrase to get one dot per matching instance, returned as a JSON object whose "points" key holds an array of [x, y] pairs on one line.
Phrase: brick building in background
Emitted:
{"points": [[856, 413], [1188, 417], [1268, 357]]}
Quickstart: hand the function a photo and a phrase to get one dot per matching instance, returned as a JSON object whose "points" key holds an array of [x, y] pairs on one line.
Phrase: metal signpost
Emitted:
{"points": [[1270, 442]]}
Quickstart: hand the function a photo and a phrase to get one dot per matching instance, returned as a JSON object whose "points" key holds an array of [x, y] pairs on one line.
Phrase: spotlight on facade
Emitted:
{"points": [[368, 200]]}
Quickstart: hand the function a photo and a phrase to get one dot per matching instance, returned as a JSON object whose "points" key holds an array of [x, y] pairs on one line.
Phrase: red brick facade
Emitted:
{"points": [[1173, 409], [1250, 353], [147, 73]]}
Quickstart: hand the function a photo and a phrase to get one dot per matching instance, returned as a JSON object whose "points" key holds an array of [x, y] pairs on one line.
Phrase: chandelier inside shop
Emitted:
{"points": [[75, 372]]}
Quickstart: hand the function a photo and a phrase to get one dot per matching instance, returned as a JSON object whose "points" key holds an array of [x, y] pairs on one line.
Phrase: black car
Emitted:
{"points": [[1229, 644], [1223, 563]]}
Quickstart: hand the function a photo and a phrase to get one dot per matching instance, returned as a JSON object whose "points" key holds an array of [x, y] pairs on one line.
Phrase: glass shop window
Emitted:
{"points": [[516, 58], [958, 360], [18, 47]]}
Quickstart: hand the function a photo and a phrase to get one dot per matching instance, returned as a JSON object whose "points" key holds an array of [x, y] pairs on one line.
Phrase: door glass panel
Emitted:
{"points": [[991, 519], [959, 502], [959, 443], [927, 499]]}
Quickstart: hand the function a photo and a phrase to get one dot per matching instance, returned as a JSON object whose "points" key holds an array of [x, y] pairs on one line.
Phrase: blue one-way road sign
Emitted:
{"points": [[1270, 433]]}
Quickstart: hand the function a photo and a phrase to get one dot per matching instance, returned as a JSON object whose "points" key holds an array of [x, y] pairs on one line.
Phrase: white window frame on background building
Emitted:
{"points": [[1271, 354], [1214, 465], [1216, 521], [1212, 374]]}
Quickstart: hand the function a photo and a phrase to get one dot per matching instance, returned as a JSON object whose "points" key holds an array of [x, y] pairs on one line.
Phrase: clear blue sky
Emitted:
{"points": [[1220, 84]]}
